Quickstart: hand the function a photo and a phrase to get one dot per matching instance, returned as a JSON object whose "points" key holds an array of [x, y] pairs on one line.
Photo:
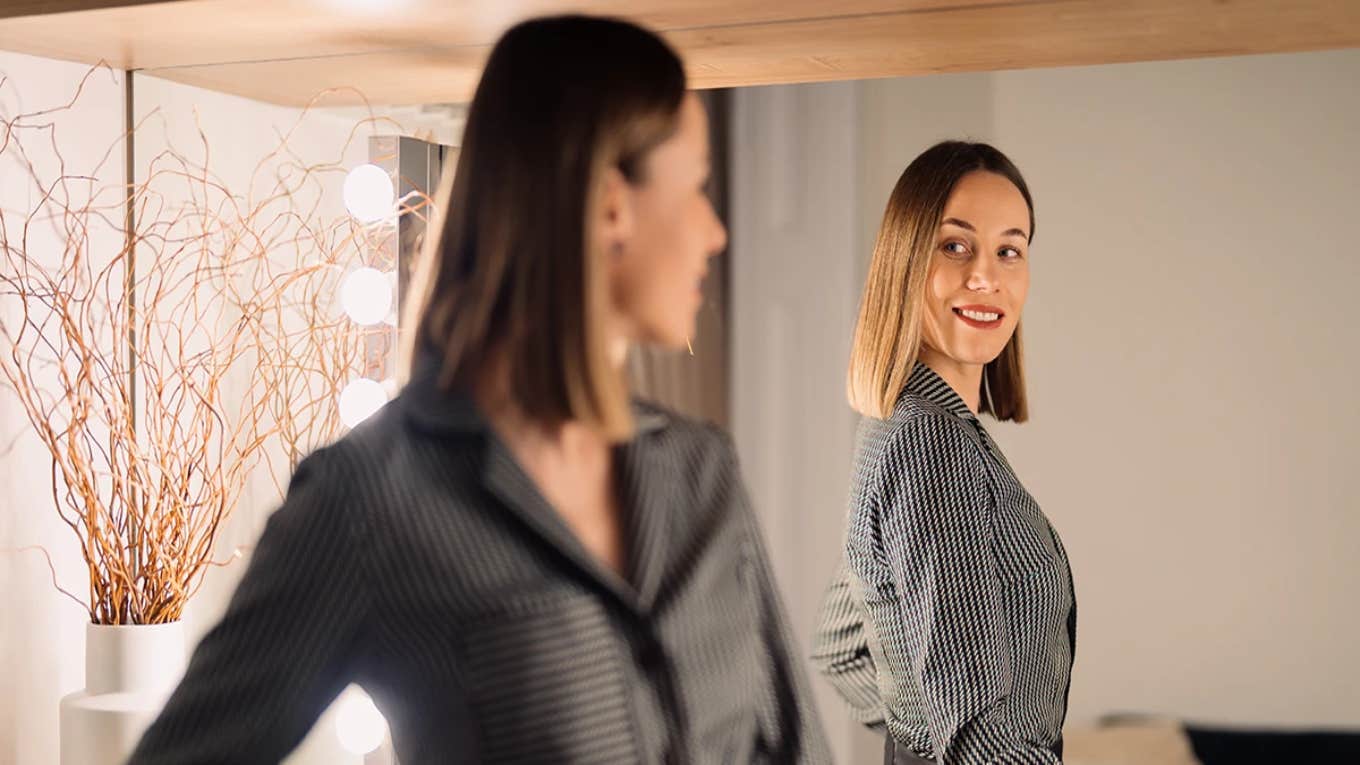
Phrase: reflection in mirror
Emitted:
{"points": [[1187, 345]]}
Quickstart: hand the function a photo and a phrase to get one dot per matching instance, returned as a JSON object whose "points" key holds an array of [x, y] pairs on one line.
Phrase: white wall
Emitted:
{"points": [[42, 638], [1191, 353], [793, 279], [1193, 363]]}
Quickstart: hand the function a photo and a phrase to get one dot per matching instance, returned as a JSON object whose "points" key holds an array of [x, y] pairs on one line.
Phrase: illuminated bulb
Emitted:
{"points": [[358, 723], [366, 296], [369, 195], [360, 399]]}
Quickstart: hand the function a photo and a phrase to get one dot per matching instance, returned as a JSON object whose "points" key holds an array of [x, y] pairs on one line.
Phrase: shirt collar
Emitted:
{"points": [[924, 382]]}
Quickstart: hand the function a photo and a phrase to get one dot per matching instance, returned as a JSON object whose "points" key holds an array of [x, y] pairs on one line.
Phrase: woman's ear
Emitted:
{"points": [[615, 216]]}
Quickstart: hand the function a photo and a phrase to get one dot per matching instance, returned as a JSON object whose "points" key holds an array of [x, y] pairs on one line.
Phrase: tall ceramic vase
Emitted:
{"points": [[130, 671]]}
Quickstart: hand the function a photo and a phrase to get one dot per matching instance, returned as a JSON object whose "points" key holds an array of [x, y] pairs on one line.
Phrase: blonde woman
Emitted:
{"points": [[518, 561], [952, 623]]}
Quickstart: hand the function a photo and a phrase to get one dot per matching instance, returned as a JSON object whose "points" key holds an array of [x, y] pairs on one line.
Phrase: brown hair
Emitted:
{"points": [[512, 269], [888, 332]]}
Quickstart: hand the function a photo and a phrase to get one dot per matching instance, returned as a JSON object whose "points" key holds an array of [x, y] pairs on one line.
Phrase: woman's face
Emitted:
{"points": [[979, 273], [660, 233]]}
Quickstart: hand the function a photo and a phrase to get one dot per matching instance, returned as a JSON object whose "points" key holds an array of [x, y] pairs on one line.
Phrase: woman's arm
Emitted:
{"points": [[286, 646], [841, 651]]}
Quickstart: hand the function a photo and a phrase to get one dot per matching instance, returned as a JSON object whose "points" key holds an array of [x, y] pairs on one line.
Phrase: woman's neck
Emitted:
{"points": [[508, 419], [965, 379], [570, 463]]}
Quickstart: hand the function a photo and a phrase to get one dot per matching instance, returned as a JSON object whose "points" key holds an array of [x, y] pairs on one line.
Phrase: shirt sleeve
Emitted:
{"points": [[285, 648], [935, 510], [841, 650]]}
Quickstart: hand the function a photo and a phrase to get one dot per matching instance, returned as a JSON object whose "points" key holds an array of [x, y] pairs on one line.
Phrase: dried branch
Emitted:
{"points": [[161, 366]]}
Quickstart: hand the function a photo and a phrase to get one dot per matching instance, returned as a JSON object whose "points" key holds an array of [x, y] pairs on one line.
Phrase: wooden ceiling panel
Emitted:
{"points": [[1073, 33], [431, 51], [197, 32], [390, 78], [12, 8]]}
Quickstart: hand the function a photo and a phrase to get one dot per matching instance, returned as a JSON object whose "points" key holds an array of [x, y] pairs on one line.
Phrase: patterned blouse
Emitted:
{"points": [[952, 621], [416, 558]]}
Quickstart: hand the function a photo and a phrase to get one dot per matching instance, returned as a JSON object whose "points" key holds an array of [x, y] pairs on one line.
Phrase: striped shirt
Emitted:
{"points": [[416, 558], [952, 621]]}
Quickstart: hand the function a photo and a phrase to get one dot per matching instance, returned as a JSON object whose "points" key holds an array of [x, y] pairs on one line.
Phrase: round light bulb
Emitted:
{"points": [[369, 195], [358, 723], [360, 399], [366, 295]]}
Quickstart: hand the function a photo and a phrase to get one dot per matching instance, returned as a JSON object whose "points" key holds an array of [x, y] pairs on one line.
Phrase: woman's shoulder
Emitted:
{"points": [[919, 437], [385, 452], [681, 434], [919, 423], [924, 463], [674, 444]]}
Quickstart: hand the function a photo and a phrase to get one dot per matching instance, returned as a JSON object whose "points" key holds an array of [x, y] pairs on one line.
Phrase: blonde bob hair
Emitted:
{"points": [[888, 334]]}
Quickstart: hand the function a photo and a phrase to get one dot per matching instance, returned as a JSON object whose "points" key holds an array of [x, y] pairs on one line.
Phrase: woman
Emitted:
{"points": [[516, 561], [952, 623]]}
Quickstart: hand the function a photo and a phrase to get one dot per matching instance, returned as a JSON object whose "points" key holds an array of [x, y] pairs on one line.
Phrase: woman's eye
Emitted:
{"points": [[1009, 253], [956, 248]]}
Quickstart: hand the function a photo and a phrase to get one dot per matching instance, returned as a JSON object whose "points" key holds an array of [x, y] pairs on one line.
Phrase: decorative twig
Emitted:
{"points": [[51, 569], [237, 349]]}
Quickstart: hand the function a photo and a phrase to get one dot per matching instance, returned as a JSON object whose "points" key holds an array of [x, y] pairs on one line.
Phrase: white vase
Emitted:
{"points": [[130, 671]]}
